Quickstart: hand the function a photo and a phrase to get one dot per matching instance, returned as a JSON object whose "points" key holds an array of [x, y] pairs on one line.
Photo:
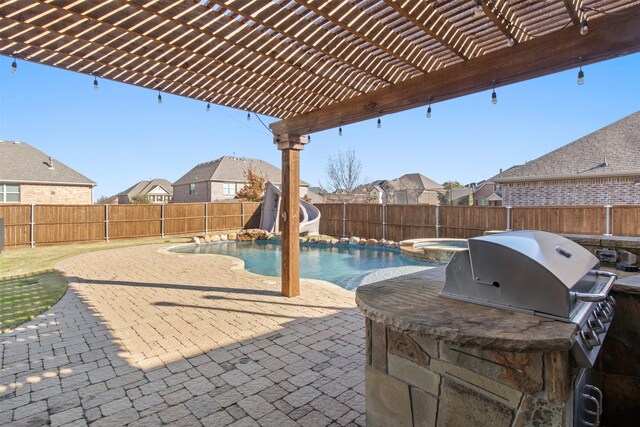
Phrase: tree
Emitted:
{"points": [[343, 172], [253, 191], [140, 200], [446, 197]]}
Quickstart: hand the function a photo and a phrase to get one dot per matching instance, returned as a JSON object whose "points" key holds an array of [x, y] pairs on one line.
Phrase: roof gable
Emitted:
{"points": [[232, 169], [22, 163], [610, 151], [143, 188], [415, 181]]}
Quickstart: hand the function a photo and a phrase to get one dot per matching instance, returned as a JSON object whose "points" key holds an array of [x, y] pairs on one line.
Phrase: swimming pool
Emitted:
{"points": [[345, 265]]}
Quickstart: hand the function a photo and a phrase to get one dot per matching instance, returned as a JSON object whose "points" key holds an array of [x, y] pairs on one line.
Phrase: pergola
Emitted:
{"points": [[317, 64]]}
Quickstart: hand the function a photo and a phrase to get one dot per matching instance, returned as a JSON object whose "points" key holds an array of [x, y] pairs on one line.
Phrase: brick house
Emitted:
{"points": [[487, 193], [157, 190], [27, 175], [413, 188], [598, 169], [221, 179]]}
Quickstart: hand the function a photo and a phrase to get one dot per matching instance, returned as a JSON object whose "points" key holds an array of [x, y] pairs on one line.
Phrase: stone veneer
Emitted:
{"points": [[417, 381], [594, 191]]}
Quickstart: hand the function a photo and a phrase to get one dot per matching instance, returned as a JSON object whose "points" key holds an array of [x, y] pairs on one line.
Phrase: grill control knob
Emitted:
{"points": [[596, 326], [602, 315], [590, 338]]}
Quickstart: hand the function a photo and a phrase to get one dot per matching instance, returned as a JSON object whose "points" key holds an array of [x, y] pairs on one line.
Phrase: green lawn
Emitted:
{"points": [[28, 284], [21, 299]]}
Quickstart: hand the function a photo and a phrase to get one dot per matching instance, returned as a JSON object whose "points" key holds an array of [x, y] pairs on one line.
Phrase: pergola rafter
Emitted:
{"points": [[317, 64]]}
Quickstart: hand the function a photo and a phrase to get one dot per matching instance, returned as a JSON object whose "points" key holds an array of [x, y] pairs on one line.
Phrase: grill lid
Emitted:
{"points": [[561, 257], [532, 271]]}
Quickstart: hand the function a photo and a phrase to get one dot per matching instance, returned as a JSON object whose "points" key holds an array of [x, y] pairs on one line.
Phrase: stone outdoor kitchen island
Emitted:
{"points": [[432, 361]]}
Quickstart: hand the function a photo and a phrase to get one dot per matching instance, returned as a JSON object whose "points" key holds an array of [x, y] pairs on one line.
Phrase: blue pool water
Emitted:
{"points": [[346, 266]]}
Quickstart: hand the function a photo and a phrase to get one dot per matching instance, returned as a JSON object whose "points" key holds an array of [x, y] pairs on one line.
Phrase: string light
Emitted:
{"points": [[429, 109], [208, 106], [340, 131], [510, 41], [584, 28], [248, 116], [580, 75], [159, 98], [379, 125], [478, 10], [494, 96], [14, 67], [308, 138], [95, 83]]}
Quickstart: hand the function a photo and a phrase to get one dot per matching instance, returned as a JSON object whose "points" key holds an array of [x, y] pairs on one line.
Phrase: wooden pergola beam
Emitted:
{"points": [[609, 36], [433, 21], [491, 10], [574, 8]]}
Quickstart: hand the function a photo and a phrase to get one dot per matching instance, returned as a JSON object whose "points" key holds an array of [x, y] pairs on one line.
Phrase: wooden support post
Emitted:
{"points": [[290, 212]]}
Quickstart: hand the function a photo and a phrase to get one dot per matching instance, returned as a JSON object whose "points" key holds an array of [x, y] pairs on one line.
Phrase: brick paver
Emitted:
{"points": [[147, 337]]}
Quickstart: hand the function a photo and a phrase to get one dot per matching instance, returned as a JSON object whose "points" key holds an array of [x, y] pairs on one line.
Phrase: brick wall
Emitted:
{"points": [[597, 191], [181, 193], [56, 194]]}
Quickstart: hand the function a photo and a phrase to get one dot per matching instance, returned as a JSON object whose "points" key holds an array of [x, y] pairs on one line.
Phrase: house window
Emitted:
{"points": [[229, 188], [483, 202], [9, 193], [192, 189]]}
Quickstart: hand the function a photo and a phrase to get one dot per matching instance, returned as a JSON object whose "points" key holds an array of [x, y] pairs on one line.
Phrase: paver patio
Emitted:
{"points": [[146, 337]]}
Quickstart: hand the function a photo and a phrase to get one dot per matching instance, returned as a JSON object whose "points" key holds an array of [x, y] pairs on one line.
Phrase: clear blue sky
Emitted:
{"points": [[119, 135]]}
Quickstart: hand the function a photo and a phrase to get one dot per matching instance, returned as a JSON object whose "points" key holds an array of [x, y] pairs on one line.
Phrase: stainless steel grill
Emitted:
{"points": [[539, 273]]}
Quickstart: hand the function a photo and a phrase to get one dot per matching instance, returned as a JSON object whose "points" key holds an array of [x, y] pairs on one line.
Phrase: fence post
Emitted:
{"points": [[384, 221], [162, 221], [106, 223], [437, 221], [32, 242], [344, 219], [508, 218], [608, 218], [206, 217], [242, 213]]}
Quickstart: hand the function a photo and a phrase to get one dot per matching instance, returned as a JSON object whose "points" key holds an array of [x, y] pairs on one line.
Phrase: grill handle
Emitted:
{"points": [[586, 296]]}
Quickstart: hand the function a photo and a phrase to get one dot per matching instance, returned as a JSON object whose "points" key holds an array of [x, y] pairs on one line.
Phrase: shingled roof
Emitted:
{"points": [[415, 181], [231, 169], [142, 188], [22, 163], [611, 151]]}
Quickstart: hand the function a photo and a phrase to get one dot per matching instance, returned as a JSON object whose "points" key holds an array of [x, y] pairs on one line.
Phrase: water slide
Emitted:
{"points": [[309, 214]]}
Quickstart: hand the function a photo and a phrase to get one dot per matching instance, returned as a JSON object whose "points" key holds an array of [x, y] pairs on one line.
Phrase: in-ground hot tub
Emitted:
{"points": [[431, 249]]}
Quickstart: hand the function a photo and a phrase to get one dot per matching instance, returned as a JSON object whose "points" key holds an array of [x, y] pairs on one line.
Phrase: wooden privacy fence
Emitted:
{"points": [[30, 225], [401, 222]]}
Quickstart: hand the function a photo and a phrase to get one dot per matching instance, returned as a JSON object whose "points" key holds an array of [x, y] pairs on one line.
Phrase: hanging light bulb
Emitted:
{"points": [[95, 83], [248, 116], [429, 109], [208, 106], [340, 131], [510, 41], [580, 76], [478, 10], [379, 125], [494, 97], [584, 28], [159, 98], [14, 67], [308, 138]]}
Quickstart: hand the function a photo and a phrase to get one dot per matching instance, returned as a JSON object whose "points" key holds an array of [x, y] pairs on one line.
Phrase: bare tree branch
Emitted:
{"points": [[343, 171]]}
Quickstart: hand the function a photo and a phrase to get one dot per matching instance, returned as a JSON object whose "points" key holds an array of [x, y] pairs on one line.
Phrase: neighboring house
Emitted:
{"points": [[157, 190], [412, 188], [487, 193], [221, 179], [315, 195], [598, 169], [29, 176]]}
